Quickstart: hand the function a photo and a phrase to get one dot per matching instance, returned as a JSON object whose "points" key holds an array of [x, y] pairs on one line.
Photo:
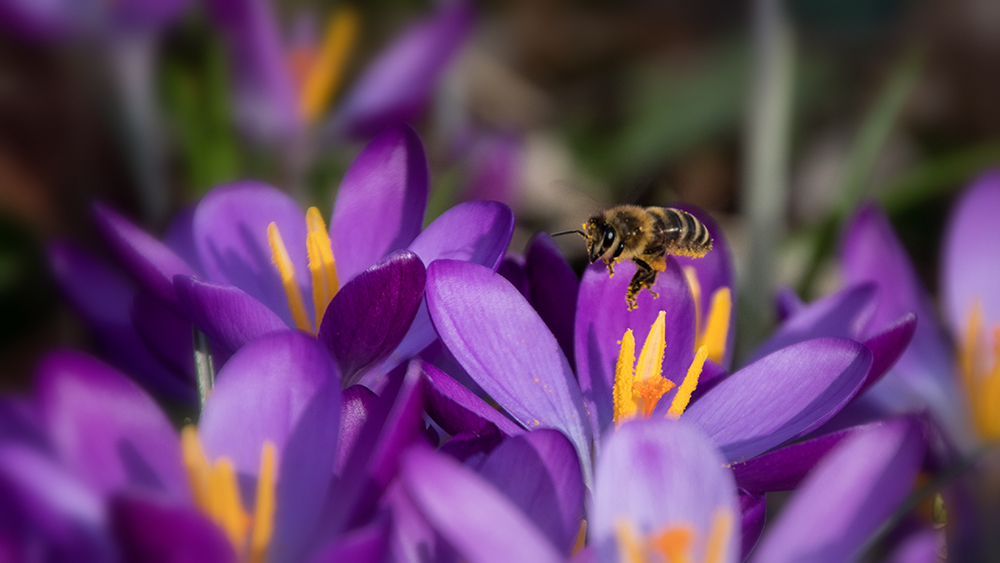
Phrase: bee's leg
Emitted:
{"points": [[643, 279], [611, 267]]}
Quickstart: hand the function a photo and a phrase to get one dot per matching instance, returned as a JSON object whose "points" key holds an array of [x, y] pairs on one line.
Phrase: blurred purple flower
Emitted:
{"points": [[58, 19]]}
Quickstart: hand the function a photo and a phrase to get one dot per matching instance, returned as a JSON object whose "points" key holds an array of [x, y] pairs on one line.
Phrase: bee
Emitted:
{"points": [[644, 235]]}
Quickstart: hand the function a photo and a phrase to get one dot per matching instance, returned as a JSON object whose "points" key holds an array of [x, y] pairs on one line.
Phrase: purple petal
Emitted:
{"points": [[540, 472], [20, 423], [783, 469], [413, 538], [149, 530], [715, 270], [103, 299], [471, 449], [397, 85], [107, 430], [781, 396], [262, 393], [381, 201], [478, 520], [477, 232], [787, 303], [512, 269], [493, 169], [266, 105], [506, 348], [357, 403], [179, 237], [646, 462], [553, 290], [887, 347], [369, 316], [226, 314], [844, 314], [754, 511], [456, 409], [365, 545], [602, 318], [971, 256], [230, 231], [165, 334], [150, 261], [924, 546], [846, 498]]}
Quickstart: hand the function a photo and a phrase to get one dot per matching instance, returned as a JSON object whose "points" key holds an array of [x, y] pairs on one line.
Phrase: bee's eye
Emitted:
{"points": [[609, 236]]}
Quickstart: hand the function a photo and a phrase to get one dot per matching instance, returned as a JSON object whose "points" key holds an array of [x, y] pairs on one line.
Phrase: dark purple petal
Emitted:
{"points": [[369, 316], [179, 237], [104, 298], [602, 318], [471, 449], [357, 403], [364, 545], [475, 231], [715, 270], [754, 511], [553, 290], [849, 494], [413, 538], [166, 335], [482, 524], [151, 262], [150, 530], [266, 105], [971, 256], [540, 472], [381, 201], [38, 21], [262, 393], [225, 313], [506, 348], [924, 546], [106, 430], [512, 269], [781, 396], [230, 231], [887, 347], [20, 423], [654, 474], [783, 469], [844, 314], [397, 85], [456, 409], [787, 303]]}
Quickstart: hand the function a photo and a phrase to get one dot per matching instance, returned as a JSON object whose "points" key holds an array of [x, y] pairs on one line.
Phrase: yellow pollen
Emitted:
{"points": [[980, 371], [643, 388], [281, 259], [322, 266], [327, 71], [650, 363], [625, 403], [216, 493], [717, 328], [690, 383], [718, 536], [675, 543]]}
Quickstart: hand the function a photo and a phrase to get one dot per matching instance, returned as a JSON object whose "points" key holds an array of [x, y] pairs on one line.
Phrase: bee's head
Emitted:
{"points": [[602, 240]]}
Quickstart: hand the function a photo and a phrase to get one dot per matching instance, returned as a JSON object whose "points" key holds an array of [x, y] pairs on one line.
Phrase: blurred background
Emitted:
{"points": [[775, 117]]}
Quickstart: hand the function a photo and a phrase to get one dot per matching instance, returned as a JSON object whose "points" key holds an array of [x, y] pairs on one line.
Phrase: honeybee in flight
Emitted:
{"points": [[644, 235]]}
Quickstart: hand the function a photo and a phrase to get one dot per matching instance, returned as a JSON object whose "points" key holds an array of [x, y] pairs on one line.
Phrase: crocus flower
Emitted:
{"points": [[65, 18], [280, 90], [234, 267]]}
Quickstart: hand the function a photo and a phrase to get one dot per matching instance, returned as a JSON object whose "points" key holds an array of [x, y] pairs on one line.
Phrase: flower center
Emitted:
{"points": [[674, 543], [979, 366], [714, 332], [322, 269], [639, 389], [217, 495], [320, 71]]}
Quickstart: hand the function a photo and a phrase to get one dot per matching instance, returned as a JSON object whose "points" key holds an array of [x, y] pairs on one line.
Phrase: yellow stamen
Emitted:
{"points": [[279, 254], [224, 504], [691, 275], [690, 383], [625, 404], [263, 516], [629, 547], [980, 372], [328, 70], [674, 544], [581, 538], [717, 327], [718, 536], [651, 358], [322, 266], [195, 465]]}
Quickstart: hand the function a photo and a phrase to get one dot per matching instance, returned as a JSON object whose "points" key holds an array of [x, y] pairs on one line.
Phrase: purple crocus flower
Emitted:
{"points": [[236, 266], [59, 19]]}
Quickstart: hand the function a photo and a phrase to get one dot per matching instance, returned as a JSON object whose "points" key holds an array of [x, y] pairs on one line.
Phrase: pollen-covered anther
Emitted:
{"points": [[979, 365], [677, 542], [326, 71], [281, 259], [322, 266], [711, 327]]}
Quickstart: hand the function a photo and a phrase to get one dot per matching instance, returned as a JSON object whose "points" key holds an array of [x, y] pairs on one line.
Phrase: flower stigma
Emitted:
{"points": [[322, 270], [979, 366], [674, 543], [216, 493], [642, 388]]}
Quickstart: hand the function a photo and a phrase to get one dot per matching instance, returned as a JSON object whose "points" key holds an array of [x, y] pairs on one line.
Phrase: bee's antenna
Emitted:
{"points": [[577, 231]]}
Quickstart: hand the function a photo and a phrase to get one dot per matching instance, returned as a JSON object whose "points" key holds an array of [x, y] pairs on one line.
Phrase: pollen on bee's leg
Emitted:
{"points": [[281, 259]]}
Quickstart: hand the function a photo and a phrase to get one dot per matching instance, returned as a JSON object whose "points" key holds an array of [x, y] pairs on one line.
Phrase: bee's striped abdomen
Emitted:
{"points": [[683, 234]]}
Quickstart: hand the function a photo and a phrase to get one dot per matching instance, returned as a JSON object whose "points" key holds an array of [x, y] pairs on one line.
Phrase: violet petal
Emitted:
{"points": [[166, 334], [148, 530], [456, 409], [225, 313], [553, 290], [364, 545], [781, 396], [602, 318], [357, 403], [754, 510], [849, 494], [369, 316], [381, 201], [887, 347], [540, 472], [105, 429], [478, 520], [512, 269], [506, 348]]}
